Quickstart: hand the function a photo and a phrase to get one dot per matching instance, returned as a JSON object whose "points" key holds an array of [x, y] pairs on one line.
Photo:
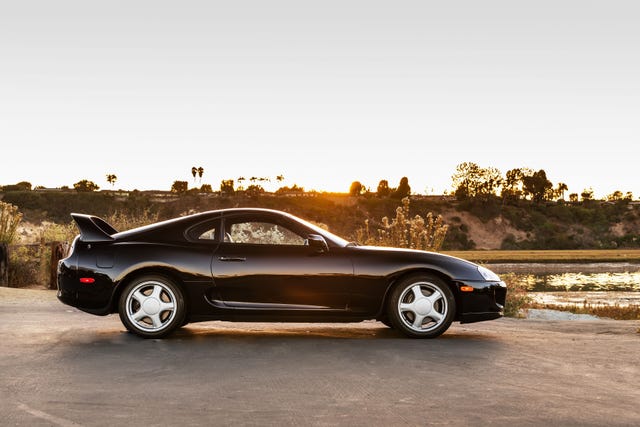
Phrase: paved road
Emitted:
{"points": [[61, 367]]}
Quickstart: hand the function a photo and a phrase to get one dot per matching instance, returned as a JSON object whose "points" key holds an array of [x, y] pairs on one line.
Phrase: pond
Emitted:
{"points": [[593, 277]]}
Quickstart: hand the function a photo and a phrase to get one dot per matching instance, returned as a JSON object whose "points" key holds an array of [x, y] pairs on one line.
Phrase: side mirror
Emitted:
{"points": [[317, 243]]}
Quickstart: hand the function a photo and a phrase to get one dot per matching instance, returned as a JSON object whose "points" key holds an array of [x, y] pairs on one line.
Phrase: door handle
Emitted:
{"points": [[232, 258]]}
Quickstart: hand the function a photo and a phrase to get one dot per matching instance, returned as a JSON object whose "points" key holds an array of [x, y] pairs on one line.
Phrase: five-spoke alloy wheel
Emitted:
{"points": [[152, 306], [421, 306]]}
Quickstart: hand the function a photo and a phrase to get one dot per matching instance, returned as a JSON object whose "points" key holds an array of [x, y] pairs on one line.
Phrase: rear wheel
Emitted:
{"points": [[152, 306], [422, 306]]}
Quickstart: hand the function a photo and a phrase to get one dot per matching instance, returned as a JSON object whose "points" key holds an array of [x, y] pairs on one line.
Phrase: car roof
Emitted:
{"points": [[173, 229]]}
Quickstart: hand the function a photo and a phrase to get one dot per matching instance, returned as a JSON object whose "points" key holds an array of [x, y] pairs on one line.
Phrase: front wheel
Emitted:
{"points": [[152, 306], [422, 306]]}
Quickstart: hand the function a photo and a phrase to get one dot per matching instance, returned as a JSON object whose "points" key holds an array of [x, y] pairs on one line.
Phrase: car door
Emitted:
{"points": [[262, 264]]}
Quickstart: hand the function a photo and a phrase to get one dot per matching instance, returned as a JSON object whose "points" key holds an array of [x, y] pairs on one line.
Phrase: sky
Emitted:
{"points": [[323, 92]]}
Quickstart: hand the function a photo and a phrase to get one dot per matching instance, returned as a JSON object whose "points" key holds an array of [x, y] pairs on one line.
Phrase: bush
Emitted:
{"points": [[426, 233], [518, 299], [53, 232], [27, 264], [10, 218], [122, 221]]}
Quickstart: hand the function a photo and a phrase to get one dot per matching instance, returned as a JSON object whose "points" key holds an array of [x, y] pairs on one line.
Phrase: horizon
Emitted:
{"points": [[322, 94]]}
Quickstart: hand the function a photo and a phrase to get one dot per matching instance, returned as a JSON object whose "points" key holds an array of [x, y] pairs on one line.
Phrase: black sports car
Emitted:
{"points": [[266, 265]]}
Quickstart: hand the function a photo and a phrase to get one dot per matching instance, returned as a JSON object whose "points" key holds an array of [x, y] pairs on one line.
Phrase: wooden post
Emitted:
{"points": [[57, 253], [4, 264]]}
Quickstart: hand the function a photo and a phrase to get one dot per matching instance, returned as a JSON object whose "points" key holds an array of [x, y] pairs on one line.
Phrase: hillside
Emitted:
{"points": [[472, 224]]}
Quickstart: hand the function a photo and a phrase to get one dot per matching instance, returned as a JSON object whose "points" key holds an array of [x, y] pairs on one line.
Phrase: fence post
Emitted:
{"points": [[57, 253], [4, 264]]}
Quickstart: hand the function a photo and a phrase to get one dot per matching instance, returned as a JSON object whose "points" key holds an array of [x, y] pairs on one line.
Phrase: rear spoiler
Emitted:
{"points": [[93, 229]]}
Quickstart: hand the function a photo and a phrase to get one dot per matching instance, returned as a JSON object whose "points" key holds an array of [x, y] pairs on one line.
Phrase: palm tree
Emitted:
{"points": [[200, 172], [194, 171], [111, 179], [562, 187]]}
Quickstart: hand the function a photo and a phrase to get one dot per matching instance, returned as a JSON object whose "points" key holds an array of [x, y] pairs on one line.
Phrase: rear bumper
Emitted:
{"points": [[92, 298], [485, 302]]}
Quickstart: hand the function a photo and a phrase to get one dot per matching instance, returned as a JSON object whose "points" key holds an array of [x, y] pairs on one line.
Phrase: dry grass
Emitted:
{"points": [[550, 256], [616, 312], [518, 300]]}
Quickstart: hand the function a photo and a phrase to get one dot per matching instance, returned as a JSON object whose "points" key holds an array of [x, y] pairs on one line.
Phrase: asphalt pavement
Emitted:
{"points": [[62, 367]]}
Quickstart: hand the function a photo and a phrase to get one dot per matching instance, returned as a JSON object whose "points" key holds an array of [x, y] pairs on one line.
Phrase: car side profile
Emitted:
{"points": [[267, 266]]}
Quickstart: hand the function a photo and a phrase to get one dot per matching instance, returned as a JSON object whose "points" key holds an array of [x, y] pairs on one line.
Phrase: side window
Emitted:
{"points": [[262, 233], [207, 231], [208, 234]]}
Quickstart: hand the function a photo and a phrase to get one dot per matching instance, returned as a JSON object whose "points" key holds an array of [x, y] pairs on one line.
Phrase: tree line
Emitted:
{"points": [[469, 182]]}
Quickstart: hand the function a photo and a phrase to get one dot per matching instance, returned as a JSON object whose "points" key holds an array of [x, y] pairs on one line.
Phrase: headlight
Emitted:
{"points": [[488, 275]]}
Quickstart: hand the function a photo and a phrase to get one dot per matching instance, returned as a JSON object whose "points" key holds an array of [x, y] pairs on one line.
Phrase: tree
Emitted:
{"points": [[85, 186], [290, 190], [587, 194], [111, 179], [383, 188], [537, 186], [21, 186], [562, 187], [280, 178], [356, 188], [573, 197], [473, 181], [254, 190], [194, 171], [512, 184], [206, 188], [240, 181], [226, 187], [179, 187], [616, 196], [403, 189], [200, 172]]}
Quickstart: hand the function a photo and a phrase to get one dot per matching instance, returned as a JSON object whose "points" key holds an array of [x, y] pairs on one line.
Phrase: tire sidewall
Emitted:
{"points": [[178, 318], [407, 282]]}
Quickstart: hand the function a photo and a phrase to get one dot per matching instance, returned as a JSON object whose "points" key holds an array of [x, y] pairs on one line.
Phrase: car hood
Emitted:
{"points": [[456, 268]]}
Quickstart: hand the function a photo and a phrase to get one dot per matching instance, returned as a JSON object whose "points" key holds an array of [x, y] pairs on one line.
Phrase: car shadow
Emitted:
{"points": [[371, 331], [215, 331]]}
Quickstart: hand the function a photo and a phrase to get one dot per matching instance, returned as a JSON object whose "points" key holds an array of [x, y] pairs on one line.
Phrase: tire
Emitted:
{"points": [[152, 306], [385, 321], [421, 306]]}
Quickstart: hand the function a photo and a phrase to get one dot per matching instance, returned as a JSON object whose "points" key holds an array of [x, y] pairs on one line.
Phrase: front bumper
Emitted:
{"points": [[485, 302]]}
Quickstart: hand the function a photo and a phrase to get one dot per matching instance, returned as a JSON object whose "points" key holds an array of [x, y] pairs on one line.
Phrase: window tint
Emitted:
{"points": [[262, 233]]}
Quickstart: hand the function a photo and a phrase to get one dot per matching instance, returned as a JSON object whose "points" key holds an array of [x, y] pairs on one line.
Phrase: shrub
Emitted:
{"points": [[426, 233], [53, 232], [26, 265], [518, 299], [10, 218], [122, 221]]}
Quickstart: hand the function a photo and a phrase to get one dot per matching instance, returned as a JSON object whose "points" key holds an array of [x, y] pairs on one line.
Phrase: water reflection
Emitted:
{"points": [[584, 282], [567, 277]]}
